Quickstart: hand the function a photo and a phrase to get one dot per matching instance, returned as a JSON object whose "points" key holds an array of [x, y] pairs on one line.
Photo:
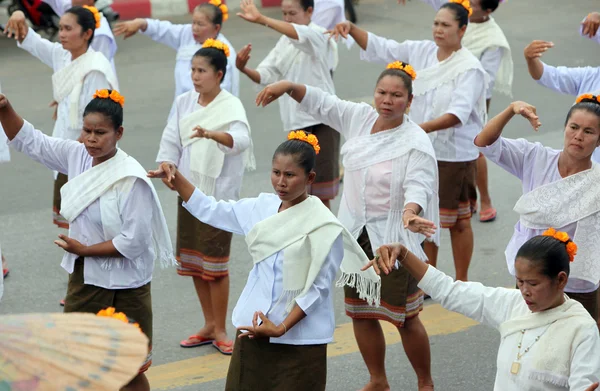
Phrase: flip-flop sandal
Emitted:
{"points": [[195, 340], [5, 273], [62, 303], [488, 215], [225, 347]]}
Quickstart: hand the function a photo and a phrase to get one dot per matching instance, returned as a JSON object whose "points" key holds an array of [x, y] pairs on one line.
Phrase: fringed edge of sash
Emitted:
{"points": [[549, 377], [167, 259], [367, 289]]}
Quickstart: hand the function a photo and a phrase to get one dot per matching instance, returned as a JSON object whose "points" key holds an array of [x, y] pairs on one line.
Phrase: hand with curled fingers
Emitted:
{"points": [[3, 101], [129, 28], [272, 92], [166, 171], [419, 225], [385, 259], [200, 132], [527, 111], [16, 27], [265, 329], [536, 49], [590, 24], [340, 30]]}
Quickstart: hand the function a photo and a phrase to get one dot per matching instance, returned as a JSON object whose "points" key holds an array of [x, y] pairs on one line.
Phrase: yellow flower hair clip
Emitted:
{"points": [[308, 138], [563, 237], [110, 312], [213, 43], [113, 95], [464, 3], [96, 13], [222, 7], [406, 68], [591, 97]]}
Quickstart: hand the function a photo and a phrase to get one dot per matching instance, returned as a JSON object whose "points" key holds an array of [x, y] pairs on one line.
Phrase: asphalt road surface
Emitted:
{"points": [[463, 352]]}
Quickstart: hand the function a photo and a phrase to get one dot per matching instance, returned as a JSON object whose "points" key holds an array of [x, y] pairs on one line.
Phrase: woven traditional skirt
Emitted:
{"points": [[458, 193], [401, 298], [327, 166], [257, 364], [57, 219], [202, 250], [136, 303]]}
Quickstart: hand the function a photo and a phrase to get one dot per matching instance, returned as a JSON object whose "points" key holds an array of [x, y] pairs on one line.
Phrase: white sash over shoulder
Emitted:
{"points": [[111, 182], [68, 82], [364, 151], [442, 77], [306, 242], [206, 158], [574, 199]]}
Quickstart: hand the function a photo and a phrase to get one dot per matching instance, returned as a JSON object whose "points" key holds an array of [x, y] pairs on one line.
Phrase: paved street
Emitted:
{"points": [[463, 352]]}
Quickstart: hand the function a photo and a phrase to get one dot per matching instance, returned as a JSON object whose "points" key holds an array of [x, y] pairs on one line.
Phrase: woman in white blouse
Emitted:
{"points": [[560, 188], [208, 139], [304, 54], [116, 225], [390, 181], [449, 104], [285, 315], [187, 39], [548, 341], [73, 82]]}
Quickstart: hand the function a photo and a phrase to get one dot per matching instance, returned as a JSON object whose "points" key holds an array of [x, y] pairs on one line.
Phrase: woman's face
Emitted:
{"points": [[289, 180], [294, 13], [582, 134], [99, 136], [446, 32], [204, 76], [391, 97], [70, 35], [539, 291], [203, 28]]}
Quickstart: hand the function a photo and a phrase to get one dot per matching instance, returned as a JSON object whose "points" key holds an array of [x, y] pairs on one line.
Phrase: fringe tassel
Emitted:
{"points": [[205, 183], [367, 290], [550, 378]]}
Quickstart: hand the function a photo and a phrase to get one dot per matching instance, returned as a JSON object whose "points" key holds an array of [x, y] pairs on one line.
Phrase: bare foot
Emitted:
{"points": [[428, 387], [221, 336], [207, 332], [376, 386]]}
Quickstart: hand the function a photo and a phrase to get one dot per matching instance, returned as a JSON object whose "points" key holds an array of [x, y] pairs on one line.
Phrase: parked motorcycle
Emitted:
{"points": [[44, 19]]}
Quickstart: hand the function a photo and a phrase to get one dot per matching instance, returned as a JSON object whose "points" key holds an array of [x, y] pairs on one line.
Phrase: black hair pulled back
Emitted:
{"points": [[214, 13], [303, 153], [406, 79], [491, 5], [306, 4], [107, 107], [586, 104], [216, 58], [547, 253], [85, 18], [460, 12]]}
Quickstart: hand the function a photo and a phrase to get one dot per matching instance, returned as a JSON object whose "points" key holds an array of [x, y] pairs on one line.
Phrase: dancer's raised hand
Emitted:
{"points": [[536, 49], [341, 30], [16, 27], [528, 111], [250, 12], [590, 24], [272, 92], [129, 28]]}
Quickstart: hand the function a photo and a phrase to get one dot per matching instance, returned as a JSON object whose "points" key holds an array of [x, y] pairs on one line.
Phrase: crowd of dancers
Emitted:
{"points": [[414, 162]]}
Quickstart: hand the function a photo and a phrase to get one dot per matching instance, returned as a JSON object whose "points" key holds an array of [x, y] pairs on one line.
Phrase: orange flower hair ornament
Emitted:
{"points": [[96, 13], [219, 4], [308, 138], [594, 98], [563, 237], [464, 3], [406, 68], [213, 43], [110, 313], [113, 95]]}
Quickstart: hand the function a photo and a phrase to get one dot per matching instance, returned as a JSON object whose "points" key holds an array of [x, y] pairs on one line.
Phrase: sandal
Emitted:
{"points": [[62, 303], [488, 215], [195, 340], [225, 347], [5, 273]]}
